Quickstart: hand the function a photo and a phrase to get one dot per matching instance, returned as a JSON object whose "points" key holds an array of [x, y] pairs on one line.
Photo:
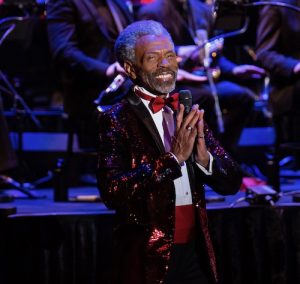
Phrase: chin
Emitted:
{"points": [[167, 90]]}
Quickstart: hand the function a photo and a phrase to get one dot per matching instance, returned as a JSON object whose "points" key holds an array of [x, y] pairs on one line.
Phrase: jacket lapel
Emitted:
{"points": [[143, 114]]}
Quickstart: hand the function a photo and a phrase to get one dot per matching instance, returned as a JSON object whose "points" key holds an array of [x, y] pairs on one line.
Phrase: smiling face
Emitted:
{"points": [[156, 66]]}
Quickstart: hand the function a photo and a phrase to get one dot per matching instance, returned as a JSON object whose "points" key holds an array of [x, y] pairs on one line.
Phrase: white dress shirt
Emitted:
{"points": [[182, 184]]}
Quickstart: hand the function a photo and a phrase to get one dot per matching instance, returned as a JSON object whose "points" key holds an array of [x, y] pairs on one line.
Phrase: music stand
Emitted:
{"points": [[8, 24]]}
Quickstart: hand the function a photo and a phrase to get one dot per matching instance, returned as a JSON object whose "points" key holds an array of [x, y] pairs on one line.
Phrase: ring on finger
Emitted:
{"points": [[189, 128]]}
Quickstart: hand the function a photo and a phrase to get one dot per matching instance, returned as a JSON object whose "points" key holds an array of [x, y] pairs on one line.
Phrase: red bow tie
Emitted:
{"points": [[157, 103]]}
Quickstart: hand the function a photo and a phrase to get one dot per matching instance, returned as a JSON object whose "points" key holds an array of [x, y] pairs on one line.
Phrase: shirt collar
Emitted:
{"points": [[145, 102]]}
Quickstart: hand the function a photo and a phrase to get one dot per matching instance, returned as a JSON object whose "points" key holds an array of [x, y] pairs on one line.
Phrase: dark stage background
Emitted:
{"points": [[47, 242]]}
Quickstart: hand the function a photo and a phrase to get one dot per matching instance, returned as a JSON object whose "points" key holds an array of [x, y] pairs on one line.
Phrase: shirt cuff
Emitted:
{"points": [[203, 169]]}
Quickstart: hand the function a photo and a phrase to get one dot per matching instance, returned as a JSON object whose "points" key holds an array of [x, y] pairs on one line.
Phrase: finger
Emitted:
{"points": [[194, 120], [201, 114], [179, 116], [200, 128]]}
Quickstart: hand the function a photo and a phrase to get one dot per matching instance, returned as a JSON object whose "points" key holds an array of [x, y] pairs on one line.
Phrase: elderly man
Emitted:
{"points": [[152, 170]]}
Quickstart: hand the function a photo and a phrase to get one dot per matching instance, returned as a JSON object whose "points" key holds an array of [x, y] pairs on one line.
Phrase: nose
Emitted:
{"points": [[164, 61]]}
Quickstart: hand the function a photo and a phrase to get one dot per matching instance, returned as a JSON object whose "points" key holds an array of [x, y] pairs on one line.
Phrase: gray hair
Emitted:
{"points": [[126, 42]]}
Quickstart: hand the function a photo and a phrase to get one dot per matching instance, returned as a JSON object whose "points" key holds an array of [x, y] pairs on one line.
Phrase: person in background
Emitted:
{"points": [[81, 37], [190, 23], [278, 51], [8, 158], [152, 169]]}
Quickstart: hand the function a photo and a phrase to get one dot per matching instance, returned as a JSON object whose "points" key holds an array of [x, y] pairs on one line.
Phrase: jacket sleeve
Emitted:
{"points": [[226, 175], [226, 66], [63, 18], [120, 178]]}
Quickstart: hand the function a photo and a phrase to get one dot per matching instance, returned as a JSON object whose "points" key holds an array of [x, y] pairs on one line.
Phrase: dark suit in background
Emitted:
{"points": [[8, 159], [81, 37], [235, 100], [278, 51]]}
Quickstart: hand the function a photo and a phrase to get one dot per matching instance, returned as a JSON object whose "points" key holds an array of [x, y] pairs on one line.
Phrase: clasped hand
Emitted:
{"points": [[189, 135]]}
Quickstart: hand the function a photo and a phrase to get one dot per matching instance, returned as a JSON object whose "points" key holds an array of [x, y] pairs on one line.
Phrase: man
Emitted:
{"points": [[81, 37], [155, 183], [278, 51], [8, 158], [190, 22]]}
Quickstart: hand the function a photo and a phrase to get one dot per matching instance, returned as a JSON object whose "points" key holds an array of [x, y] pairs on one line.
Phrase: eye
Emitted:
{"points": [[151, 57], [171, 56]]}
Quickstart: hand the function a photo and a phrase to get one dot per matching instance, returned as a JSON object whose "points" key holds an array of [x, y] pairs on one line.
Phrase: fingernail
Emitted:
{"points": [[195, 106]]}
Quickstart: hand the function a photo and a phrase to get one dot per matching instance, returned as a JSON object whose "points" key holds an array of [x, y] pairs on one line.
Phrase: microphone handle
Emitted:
{"points": [[187, 109], [185, 98]]}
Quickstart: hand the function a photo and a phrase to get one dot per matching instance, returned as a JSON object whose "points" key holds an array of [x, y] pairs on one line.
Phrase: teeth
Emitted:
{"points": [[165, 76]]}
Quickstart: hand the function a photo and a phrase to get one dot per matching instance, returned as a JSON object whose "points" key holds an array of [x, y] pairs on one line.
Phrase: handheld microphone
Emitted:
{"points": [[185, 98], [113, 86]]}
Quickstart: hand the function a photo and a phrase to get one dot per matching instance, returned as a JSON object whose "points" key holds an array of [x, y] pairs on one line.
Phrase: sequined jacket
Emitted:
{"points": [[135, 178]]}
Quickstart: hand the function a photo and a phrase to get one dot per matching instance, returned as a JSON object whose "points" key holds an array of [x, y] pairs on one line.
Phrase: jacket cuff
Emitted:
{"points": [[167, 167]]}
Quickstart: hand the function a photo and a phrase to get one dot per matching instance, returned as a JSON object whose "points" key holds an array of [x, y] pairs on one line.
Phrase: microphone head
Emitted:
{"points": [[185, 98]]}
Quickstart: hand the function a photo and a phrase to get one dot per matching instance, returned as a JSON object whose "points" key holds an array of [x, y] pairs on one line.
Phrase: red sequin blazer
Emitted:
{"points": [[135, 178]]}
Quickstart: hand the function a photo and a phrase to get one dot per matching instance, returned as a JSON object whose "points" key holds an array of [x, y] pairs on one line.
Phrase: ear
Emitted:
{"points": [[129, 68]]}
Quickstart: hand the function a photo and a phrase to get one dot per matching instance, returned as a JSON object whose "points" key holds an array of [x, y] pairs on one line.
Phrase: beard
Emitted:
{"points": [[161, 81]]}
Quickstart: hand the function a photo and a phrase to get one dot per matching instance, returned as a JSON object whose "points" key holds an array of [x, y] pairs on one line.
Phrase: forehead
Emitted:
{"points": [[153, 43]]}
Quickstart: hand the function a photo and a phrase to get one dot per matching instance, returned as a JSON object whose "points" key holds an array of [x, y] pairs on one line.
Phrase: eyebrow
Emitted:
{"points": [[159, 51], [156, 52]]}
